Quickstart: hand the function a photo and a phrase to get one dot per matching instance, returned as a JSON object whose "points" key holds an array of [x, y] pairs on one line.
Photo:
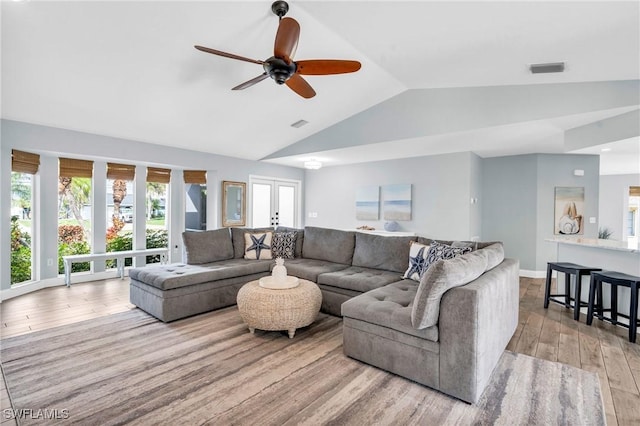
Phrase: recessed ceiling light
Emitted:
{"points": [[605, 149], [547, 68], [299, 123]]}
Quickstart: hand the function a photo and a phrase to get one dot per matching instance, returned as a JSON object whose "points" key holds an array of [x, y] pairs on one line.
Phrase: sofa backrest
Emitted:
{"points": [[207, 246], [331, 245], [382, 252]]}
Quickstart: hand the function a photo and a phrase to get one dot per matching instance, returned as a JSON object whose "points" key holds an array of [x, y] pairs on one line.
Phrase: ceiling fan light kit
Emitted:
{"points": [[312, 164], [281, 67]]}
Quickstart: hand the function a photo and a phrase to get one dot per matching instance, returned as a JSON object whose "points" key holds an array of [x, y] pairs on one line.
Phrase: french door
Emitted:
{"points": [[274, 203]]}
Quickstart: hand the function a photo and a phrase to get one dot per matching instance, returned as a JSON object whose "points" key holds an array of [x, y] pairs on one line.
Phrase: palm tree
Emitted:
{"points": [[119, 193], [155, 190], [75, 192]]}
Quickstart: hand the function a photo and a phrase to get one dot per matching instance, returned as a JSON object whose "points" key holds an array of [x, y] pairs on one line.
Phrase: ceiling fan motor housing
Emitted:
{"points": [[278, 69]]}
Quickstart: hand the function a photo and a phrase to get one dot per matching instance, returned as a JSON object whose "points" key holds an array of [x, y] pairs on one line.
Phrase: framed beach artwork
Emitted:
{"points": [[396, 202], [367, 202], [569, 210]]}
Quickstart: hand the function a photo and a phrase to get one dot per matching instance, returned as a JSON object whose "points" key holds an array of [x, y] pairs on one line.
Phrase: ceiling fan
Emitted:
{"points": [[281, 67]]}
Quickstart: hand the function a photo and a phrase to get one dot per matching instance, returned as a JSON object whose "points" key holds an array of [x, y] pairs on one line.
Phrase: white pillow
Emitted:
{"points": [[417, 259], [257, 246]]}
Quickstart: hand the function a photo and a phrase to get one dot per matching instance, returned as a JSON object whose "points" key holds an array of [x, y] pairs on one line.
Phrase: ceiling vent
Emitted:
{"points": [[547, 68], [299, 123]]}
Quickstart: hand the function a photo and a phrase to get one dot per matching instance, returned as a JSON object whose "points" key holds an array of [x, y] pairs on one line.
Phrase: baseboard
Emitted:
{"points": [[532, 274], [77, 278]]}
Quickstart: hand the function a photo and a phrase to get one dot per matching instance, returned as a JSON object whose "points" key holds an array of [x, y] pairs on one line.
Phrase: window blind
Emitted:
{"points": [[195, 176], [634, 191], [70, 167], [158, 175], [120, 171], [24, 162]]}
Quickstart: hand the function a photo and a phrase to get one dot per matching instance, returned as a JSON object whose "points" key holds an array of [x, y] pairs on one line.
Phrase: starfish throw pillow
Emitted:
{"points": [[417, 259], [257, 246]]}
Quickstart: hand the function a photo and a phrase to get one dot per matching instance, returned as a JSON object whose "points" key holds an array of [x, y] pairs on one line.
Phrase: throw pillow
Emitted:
{"points": [[417, 259], [284, 245], [440, 277], [258, 246], [439, 251]]}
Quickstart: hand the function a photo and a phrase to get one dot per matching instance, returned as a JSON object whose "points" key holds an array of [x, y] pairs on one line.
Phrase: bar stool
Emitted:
{"points": [[569, 269], [615, 279]]}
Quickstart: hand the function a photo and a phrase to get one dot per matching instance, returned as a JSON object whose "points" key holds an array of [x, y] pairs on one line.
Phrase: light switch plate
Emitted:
{"points": [[592, 220]]}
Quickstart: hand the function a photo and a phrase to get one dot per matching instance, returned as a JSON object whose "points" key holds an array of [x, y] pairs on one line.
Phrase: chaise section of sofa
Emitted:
{"points": [[455, 351]]}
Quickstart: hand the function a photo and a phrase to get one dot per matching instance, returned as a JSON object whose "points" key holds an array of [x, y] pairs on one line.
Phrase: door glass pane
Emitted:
{"points": [[286, 206], [21, 227], [261, 205]]}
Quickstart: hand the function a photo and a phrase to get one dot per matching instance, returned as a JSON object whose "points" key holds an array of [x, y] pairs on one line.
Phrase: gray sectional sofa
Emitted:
{"points": [[446, 331]]}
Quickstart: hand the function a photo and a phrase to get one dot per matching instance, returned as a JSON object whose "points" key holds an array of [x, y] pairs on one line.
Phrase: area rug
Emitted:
{"points": [[129, 368]]}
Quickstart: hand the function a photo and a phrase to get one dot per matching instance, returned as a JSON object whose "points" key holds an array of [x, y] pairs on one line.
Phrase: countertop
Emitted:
{"points": [[625, 246]]}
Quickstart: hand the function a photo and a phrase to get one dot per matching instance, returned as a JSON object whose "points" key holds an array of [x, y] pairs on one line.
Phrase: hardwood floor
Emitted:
{"points": [[550, 334]]}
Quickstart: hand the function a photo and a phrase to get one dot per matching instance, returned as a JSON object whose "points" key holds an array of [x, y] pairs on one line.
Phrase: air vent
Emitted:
{"points": [[299, 123], [547, 68]]}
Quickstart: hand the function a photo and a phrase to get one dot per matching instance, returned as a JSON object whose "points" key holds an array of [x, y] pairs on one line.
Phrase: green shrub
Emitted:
{"points": [[66, 249], [154, 239], [20, 253]]}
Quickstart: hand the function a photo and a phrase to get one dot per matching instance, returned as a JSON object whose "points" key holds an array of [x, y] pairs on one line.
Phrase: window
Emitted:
{"points": [[156, 210], [196, 200], [631, 221], [24, 166], [119, 209], [74, 211]]}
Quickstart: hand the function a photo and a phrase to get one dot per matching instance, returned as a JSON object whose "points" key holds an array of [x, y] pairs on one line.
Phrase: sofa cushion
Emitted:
{"points": [[173, 276], [309, 269], [331, 245], [380, 252], [389, 306], [439, 251], [257, 245], [417, 259], [237, 237], [299, 238], [207, 246], [283, 245], [358, 279], [495, 255], [440, 277]]}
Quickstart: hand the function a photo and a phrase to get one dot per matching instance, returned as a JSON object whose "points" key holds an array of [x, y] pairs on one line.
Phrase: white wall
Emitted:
{"points": [[52, 143], [614, 202], [441, 192]]}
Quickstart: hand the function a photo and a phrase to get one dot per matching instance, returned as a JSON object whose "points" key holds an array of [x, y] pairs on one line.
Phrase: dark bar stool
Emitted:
{"points": [[615, 279], [569, 269]]}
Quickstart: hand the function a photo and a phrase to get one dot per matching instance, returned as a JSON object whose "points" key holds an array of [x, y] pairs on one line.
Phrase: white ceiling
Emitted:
{"points": [[129, 69]]}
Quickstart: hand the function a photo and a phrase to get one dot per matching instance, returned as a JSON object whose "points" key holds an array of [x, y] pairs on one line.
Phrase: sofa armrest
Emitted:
{"points": [[476, 323]]}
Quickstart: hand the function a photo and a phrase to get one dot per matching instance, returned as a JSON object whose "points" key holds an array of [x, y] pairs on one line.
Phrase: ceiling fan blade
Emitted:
{"points": [[228, 55], [326, 66], [286, 39], [251, 82], [300, 86]]}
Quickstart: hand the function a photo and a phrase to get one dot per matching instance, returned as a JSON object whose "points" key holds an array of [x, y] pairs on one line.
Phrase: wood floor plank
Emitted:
{"points": [[528, 342], [549, 340], [627, 407], [618, 371]]}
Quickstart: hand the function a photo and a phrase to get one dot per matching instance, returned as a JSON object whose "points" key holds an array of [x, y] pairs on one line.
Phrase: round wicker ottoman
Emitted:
{"points": [[286, 309]]}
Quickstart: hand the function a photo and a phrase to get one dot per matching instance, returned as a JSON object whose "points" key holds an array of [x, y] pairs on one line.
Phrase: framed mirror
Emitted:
{"points": [[233, 203]]}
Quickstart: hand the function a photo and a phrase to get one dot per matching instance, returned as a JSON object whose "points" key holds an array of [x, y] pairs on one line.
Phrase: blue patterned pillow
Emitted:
{"points": [[417, 258], [439, 251], [284, 245]]}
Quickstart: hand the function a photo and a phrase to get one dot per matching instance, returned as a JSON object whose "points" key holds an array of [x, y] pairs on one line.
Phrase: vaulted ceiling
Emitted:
{"points": [[436, 76]]}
